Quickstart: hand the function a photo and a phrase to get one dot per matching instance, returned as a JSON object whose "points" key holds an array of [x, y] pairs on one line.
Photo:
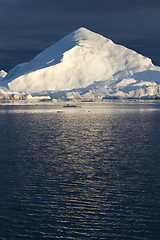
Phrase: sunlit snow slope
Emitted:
{"points": [[84, 58]]}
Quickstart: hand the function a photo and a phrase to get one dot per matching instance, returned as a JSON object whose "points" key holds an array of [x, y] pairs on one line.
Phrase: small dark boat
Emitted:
{"points": [[70, 105], [59, 111]]}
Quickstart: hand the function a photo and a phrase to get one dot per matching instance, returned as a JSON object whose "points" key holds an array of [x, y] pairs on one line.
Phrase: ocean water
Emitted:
{"points": [[80, 173]]}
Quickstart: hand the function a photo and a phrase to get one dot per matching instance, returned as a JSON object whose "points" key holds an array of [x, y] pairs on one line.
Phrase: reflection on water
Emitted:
{"points": [[80, 174]]}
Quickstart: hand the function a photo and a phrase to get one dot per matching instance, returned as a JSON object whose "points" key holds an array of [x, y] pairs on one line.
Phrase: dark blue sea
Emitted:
{"points": [[80, 173]]}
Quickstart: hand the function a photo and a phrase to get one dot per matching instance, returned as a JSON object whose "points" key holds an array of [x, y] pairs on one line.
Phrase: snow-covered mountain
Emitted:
{"points": [[86, 64], [2, 74]]}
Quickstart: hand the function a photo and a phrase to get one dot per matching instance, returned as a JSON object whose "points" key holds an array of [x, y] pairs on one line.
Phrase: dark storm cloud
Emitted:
{"points": [[91, 5], [29, 26]]}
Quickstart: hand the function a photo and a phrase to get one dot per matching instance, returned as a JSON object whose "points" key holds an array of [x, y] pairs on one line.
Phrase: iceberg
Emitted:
{"points": [[87, 65], [2, 74]]}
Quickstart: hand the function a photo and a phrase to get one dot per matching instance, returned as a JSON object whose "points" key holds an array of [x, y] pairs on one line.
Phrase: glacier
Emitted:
{"points": [[86, 65]]}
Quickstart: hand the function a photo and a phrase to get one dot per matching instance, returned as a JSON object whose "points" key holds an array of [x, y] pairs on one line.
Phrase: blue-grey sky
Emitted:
{"points": [[29, 26]]}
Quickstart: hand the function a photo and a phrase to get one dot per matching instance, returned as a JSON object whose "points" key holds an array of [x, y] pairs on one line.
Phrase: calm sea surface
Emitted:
{"points": [[85, 173]]}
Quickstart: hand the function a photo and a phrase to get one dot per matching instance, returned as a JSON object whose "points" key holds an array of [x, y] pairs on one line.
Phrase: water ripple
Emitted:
{"points": [[80, 175]]}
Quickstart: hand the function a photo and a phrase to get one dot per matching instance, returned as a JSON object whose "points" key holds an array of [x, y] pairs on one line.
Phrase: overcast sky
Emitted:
{"points": [[29, 26]]}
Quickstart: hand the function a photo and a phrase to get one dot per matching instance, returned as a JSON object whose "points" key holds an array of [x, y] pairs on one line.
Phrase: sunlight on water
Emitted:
{"points": [[87, 173]]}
